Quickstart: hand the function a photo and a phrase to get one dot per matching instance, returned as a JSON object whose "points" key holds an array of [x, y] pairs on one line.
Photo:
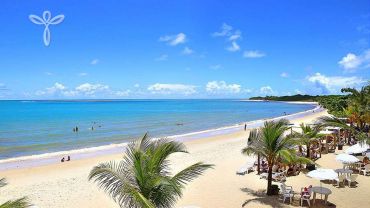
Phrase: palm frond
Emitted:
{"points": [[18, 203], [190, 173]]}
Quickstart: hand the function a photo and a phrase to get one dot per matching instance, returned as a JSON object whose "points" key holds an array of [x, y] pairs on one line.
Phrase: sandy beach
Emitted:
{"points": [[66, 185]]}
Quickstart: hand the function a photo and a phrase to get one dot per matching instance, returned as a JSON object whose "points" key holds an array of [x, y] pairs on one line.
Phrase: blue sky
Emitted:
{"points": [[183, 49]]}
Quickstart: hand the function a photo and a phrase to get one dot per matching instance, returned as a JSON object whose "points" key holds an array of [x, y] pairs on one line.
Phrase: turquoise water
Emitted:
{"points": [[35, 127]]}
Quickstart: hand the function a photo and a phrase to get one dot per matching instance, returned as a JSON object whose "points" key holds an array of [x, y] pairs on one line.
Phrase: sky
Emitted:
{"points": [[182, 49]]}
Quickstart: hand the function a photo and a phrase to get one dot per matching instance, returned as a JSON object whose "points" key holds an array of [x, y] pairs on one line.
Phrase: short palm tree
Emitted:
{"points": [[18, 203], [270, 142], [307, 135], [142, 179]]}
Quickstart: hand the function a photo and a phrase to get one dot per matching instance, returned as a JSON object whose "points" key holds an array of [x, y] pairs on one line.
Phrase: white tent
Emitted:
{"points": [[357, 148], [346, 159]]}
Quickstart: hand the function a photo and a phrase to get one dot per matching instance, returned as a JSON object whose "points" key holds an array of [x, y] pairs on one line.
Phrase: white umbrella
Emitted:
{"points": [[323, 174], [357, 148], [347, 159]]}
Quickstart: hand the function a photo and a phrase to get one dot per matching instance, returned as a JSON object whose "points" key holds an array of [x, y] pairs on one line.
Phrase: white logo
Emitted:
{"points": [[46, 20]]}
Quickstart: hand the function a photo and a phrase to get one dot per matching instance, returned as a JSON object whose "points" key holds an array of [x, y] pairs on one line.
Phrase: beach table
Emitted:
{"points": [[320, 190], [343, 171]]}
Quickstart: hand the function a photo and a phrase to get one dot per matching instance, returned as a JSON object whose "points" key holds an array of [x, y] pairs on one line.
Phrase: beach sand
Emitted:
{"points": [[65, 185]]}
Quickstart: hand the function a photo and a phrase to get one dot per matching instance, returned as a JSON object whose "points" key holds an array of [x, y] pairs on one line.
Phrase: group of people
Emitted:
{"points": [[291, 169], [75, 129], [66, 160]]}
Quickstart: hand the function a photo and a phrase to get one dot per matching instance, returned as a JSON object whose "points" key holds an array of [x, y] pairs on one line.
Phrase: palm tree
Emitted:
{"points": [[18, 203], [308, 135], [269, 142], [142, 179], [359, 107]]}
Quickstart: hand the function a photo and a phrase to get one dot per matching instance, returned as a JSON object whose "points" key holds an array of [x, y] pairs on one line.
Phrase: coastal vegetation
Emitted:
{"points": [[270, 143], [143, 179], [357, 114], [18, 203]]}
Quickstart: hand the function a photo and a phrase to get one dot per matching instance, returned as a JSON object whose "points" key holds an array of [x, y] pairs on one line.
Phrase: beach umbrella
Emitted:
{"points": [[357, 148], [323, 174], [346, 158]]}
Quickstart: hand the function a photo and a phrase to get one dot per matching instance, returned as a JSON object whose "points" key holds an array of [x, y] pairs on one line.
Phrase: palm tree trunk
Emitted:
{"points": [[269, 180], [308, 150], [258, 164]]}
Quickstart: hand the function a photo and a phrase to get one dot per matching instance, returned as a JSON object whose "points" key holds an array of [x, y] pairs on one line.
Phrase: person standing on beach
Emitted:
{"points": [[245, 127]]}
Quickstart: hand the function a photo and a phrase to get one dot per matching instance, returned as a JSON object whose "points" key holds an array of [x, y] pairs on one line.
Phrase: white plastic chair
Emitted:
{"points": [[351, 179], [340, 179], [305, 197], [365, 170], [287, 192]]}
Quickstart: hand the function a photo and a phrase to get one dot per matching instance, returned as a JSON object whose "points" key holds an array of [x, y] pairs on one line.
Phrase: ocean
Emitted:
{"points": [[37, 127]]}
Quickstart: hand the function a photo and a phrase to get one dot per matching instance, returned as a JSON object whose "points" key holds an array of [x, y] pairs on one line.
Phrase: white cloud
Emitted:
{"points": [[94, 61], [351, 62], [3, 87], [48, 73], [187, 51], [237, 35], [297, 91], [253, 54], [333, 84], [215, 67], [90, 89], [83, 90], [266, 90], [363, 29], [230, 35], [225, 30], [56, 89], [284, 74], [159, 88], [163, 57], [234, 47], [222, 87], [174, 40], [82, 74], [122, 93]]}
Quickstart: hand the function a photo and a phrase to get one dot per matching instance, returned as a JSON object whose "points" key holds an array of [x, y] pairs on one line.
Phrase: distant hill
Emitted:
{"points": [[298, 97]]}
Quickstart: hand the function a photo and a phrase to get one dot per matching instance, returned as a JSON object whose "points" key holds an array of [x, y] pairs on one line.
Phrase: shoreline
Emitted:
{"points": [[83, 153]]}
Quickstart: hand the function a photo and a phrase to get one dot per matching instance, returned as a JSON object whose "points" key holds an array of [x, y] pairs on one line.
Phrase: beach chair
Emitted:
{"points": [[245, 168], [365, 170], [287, 192], [340, 179], [305, 196], [351, 179]]}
